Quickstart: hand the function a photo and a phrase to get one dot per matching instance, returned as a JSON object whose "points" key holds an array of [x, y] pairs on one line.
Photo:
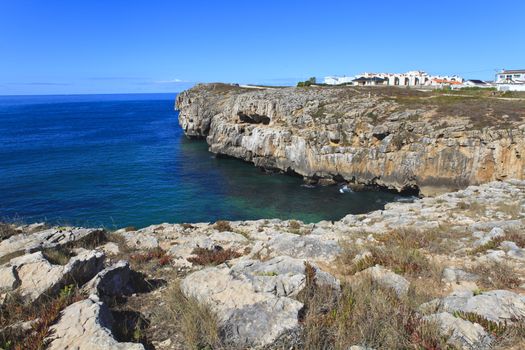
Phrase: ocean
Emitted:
{"points": [[123, 160]]}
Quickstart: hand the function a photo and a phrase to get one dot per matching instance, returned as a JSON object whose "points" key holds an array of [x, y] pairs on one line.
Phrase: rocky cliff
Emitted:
{"points": [[392, 137]]}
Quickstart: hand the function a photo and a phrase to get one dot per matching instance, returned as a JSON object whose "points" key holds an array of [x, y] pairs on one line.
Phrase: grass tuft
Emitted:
{"points": [[196, 322], [222, 226]]}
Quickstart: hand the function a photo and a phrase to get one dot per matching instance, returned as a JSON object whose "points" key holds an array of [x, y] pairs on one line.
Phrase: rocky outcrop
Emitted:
{"points": [[30, 241], [33, 276], [253, 299], [389, 137], [450, 267], [462, 334], [86, 325]]}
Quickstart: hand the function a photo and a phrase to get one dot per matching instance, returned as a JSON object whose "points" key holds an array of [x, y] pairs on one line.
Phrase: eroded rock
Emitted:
{"points": [[86, 325]]}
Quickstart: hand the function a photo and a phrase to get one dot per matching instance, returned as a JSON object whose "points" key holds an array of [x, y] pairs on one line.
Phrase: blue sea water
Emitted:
{"points": [[122, 160]]}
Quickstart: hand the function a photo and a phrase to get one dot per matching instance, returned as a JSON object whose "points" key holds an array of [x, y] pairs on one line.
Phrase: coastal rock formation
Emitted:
{"points": [[444, 271], [397, 138], [86, 325]]}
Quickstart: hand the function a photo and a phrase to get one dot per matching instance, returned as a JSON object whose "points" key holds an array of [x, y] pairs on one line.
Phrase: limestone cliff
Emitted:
{"points": [[391, 137]]}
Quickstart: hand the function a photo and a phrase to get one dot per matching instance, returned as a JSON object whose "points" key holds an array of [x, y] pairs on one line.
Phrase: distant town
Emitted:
{"points": [[505, 80]]}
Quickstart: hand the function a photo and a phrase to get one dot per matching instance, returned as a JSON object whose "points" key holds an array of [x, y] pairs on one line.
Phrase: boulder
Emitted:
{"points": [[8, 279], [252, 299], [497, 305], [388, 279], [112, 281], [86, 325], [461, 334], [36, 276]]}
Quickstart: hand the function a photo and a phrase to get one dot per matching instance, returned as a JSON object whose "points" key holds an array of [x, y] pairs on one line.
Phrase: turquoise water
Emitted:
{"points": [[122, 160]]}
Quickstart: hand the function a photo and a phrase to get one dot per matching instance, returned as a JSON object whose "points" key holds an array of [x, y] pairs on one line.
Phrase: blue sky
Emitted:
{"points": [[117, 46]]}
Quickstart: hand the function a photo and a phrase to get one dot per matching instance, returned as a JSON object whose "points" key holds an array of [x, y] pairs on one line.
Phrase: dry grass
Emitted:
{"points": [[187, 226], [205, 256], [497, 275], [474, 208], [196, 322], [514, 235], [512, 209], [58, 256], [222, 226], [507, 335], [402, 260], [437, 240], [294, 227], [363, 313], [46, 313], [7, 230]]}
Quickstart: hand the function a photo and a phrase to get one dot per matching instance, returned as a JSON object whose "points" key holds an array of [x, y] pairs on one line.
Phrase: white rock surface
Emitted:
{"points": [[462, 334], [86, 325]]}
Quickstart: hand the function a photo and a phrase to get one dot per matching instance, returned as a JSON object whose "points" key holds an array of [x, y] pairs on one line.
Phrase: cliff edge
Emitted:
{"points": [[397, 138]]}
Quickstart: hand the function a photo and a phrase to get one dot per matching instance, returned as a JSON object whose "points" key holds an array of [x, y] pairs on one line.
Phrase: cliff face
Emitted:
{"points": [[390, 137]]}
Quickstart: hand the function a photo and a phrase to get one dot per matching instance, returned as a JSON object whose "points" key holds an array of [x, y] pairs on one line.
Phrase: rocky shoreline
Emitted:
{"points": [[447, 271], [395, 138]]}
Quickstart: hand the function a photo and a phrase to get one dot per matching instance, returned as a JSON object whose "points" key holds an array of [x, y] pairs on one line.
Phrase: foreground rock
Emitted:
{"points": [[33, 276], [86, 325], [253, 299], [462, 334], [385, 136], [500, 306], [50, 238], [455, 260]]}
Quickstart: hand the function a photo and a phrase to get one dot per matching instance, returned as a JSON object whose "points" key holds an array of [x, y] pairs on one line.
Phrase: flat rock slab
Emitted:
{"points": [[252, 298], [496, 305], [54, 237], [313, 247], [86, 325]]}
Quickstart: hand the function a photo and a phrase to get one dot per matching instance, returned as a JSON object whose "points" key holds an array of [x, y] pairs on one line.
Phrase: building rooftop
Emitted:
{"points": [[512, 71]]}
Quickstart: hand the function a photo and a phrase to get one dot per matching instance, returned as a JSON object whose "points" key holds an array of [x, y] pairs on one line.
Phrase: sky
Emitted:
{"points": [[139, 46]]}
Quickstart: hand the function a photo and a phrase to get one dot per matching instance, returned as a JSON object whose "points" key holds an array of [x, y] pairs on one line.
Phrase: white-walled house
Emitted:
{"points": [[511, 80], [515, 76], [411, 78]]}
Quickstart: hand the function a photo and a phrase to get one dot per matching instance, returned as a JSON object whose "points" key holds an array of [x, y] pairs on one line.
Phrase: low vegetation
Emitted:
{"points": [[45, 313], [496, 275], [7, 230], [310, 81], [195, 321], [363, 313], [222, 226], [512, 235], [57, 256], [203, 256], [156, 255]]}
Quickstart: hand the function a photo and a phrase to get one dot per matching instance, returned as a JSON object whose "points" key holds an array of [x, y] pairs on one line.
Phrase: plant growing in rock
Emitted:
{"points": [[43, 314], [196, 322], [217, 256], [58, 256], [222, 226]]}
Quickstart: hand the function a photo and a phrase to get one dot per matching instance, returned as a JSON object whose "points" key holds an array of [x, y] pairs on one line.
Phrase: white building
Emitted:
{"points": [[516, 76], [412, 78], [511, 80]]}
